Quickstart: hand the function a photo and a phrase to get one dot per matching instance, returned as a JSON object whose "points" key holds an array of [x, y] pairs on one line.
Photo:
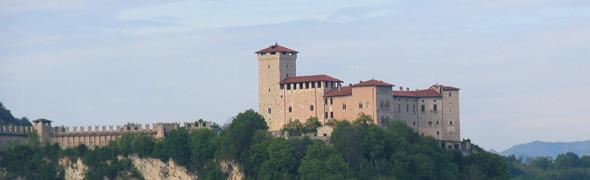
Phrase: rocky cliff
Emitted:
{"points": [[151, 168]]}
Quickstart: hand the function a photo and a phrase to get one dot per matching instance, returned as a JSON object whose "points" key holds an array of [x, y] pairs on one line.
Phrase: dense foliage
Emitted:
{"points": [[565, 166], [7, 118], [358, 150]]}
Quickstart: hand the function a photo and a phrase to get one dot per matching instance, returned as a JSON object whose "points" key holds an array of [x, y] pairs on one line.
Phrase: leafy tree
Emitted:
{"points": [[322, 162], [281, 161], [237, 139], [202, 145], [176, 147], [567, 160], [294, 128], [311, 125]]}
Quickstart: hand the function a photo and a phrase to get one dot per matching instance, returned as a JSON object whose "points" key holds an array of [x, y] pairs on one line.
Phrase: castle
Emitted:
{"points": [[285, 97]]}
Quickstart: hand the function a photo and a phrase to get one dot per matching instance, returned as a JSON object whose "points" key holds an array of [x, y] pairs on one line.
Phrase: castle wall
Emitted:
{"points": [[10, 134], [406, 110], [303, 102], [272, 68], [429, 120], [374, 101], [451, 118]]}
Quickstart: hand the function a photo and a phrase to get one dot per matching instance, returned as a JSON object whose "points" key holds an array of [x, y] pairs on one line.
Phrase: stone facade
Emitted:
{"points": [[284, 97]]}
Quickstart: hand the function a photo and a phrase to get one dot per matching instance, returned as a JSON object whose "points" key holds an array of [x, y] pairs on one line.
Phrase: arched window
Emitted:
{"points": [[382, 104], [387, 104], [437, 123], [429, 123]]}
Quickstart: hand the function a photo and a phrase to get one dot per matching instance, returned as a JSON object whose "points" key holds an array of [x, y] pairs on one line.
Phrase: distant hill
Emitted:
{"points": [[7, 118], [539, 148]]}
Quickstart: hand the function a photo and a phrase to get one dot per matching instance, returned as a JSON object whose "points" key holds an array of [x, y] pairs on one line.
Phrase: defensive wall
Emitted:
{"points": [[90, 136]]}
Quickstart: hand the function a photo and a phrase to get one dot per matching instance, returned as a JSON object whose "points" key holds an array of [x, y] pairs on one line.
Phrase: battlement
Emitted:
{"points": [[97, 135], [16, 130]]}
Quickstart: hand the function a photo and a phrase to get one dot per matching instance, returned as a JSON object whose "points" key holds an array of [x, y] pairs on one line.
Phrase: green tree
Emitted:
{"points": [[567, 160], [322, 162], [311, 125], [281, 163], [202, 144], [237, 139]]}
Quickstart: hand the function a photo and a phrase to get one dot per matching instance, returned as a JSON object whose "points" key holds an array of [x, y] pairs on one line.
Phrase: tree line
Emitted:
{"points": [[358, 150]]}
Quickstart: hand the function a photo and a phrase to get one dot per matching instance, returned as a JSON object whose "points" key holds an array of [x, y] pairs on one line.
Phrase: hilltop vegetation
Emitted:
{"points": [[6, 118], [359, 150], [565, 166]]}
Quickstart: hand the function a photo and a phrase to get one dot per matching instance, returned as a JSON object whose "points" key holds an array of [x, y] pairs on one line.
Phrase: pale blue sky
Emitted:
{"points": [[522, 66]]}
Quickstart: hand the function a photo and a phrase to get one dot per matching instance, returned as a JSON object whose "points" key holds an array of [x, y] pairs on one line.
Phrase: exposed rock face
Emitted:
{"points": [[232, 169], [73, 171], [151, 168]]}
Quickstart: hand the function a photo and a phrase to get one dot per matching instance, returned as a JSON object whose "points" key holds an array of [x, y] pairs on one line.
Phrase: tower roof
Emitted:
{"points": [[276, 48], [417, 93], [42, 120], [372, 82], [312, 78]]}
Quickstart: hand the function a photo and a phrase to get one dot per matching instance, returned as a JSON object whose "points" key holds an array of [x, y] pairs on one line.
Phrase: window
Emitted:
{"points": [[326, 115], [331, 101], [414, 123], [399, 107], [360, 105], [437, 133], [422, 100], [413, 108], [282, 86], [269, 111], [290, 109], [422, 108], [295, 86], [312, 84], [382, 104], [331, 114], [268, 67], [307, 85], [429, 123], [436, 122], [450, 122], [326, 101], [320, 84], [407, 108], [435, 100], [268, 89], [450, 94], [284, 53], [386, 104], [311, 107], [263, 54], [344, 106], [434, 108], [288, 86], [273, 53]]}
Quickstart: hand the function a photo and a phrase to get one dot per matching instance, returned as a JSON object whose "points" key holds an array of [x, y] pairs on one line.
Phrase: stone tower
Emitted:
{"points": [[275, 63], [43, 128]]}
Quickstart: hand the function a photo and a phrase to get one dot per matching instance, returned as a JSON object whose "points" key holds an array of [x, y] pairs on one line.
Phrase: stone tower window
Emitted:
{"points": [[429, 123], [269, 110], [268, 67], [434, 108], [326, 115], [360, 105], [422, 108], [326, 101], [344, 106], [273, 53], [407, 108], [290, 109], [311, 107], [450, 122], [450, 94], [331, 101], [414, 123], [331, 114]]}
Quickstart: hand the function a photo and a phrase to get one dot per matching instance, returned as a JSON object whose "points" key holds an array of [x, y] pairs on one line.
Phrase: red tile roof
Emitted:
{"points": [[450, 88], [276, 48], [404, 94], [343, 91], [372, 82], [418, 93], [312, 78]]}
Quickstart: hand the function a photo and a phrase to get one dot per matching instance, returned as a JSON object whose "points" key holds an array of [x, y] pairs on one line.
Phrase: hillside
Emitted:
{"points": [[539, 148], [7, 118]]}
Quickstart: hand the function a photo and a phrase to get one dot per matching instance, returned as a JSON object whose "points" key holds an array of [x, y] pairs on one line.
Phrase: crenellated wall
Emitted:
{"points": [[91, 136]]}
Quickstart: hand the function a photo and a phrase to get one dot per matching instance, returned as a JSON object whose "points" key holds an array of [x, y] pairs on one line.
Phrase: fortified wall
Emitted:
{"points": [[90, 136]]}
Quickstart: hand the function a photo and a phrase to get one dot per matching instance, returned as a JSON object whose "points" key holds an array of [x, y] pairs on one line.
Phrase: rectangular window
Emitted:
{"points": [[269, 111], [434, 108], [331, 114], [282, 86], [399, 108], [307, 85], [422, 108], [326, 101], [288, 86], [312, 84], [326, 115], [344, 106], [407, 108], [331, 101], [413, 108], [320, 84], [273, 53], [295, 86]]}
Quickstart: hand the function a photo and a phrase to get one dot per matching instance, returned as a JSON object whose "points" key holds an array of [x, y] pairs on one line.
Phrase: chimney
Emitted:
{"points": [[401, 88], [407, 89]]}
